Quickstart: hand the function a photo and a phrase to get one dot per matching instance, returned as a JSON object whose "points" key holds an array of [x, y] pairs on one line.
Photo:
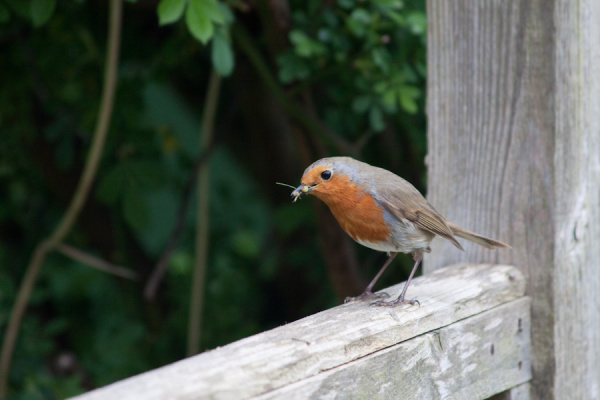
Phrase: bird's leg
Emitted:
{"points": [[368, 293], [417, 256]]}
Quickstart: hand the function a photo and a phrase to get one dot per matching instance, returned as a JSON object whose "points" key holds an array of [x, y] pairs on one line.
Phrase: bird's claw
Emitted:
{"points": [[396, 302], [366, 295]]}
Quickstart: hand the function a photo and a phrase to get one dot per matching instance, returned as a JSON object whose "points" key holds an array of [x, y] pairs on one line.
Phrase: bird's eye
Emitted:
{"points": [[325, 175]]}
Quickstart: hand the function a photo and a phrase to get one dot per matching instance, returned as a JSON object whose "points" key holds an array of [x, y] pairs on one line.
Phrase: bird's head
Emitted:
{"points": [[329, 179]]}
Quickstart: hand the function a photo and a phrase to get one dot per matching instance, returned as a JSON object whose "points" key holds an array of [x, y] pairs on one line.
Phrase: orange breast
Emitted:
{"points": [[355, 210]]}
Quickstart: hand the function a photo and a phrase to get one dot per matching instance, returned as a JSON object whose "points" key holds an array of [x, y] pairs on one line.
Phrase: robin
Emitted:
{"points": [[381, 211]]}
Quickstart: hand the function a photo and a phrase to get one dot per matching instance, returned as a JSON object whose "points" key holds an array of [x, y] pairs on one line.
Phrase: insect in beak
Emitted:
{"points": [[300, 190], [297, 191]]}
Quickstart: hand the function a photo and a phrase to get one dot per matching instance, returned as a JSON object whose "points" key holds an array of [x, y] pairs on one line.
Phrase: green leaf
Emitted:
{"points": [[347, 4], [398, 4], [211, 7], [358, 21], [201, 17], [388, 98], [227, 14], [221, 54], [407, 96], [41, 11], [292, 67], [394, 16], [304, 46], [170, 11], [361, 15], [300, 41], [198, 21], [417, 21]]}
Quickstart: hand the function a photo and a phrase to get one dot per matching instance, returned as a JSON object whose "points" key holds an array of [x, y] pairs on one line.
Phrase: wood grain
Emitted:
{"points": [[576, 272], [472, 359], [338, 337], [514, 150]]}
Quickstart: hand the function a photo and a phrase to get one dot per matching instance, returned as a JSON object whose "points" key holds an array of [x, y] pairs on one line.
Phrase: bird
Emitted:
{"points": [[382, 211]]}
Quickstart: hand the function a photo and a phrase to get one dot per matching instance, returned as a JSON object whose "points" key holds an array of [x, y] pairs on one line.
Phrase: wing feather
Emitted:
{"points": [[402, 200]]}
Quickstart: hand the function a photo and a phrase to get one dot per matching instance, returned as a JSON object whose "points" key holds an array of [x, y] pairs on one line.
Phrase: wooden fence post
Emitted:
{"points": [[514, 154]]}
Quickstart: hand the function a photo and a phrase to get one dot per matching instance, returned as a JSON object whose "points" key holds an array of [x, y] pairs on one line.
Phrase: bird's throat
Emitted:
{"points": [[357, 213]]}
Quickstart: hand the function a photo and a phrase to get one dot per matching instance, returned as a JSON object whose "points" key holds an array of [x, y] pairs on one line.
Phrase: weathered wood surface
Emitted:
{"points": [[514, 153], [465, 309], [521, 392], [471, 359]]}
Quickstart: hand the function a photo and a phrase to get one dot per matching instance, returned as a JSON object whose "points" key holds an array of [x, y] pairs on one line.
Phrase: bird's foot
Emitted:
{"points": [[367, 295], [394, 303]]}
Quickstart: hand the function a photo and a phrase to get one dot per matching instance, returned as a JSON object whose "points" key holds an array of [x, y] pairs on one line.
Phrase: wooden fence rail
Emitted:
{"points": [[469, 339]]}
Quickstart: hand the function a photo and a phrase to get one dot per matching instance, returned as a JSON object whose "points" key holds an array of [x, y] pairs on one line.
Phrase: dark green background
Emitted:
{"points": [[354, 69]]}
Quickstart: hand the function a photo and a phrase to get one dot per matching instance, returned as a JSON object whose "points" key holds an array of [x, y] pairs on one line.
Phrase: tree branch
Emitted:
{"points": [[95, 262], [202, 221]]}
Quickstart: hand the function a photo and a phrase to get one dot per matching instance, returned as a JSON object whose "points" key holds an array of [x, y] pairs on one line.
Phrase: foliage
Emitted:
{"points": [[361, 64], [370, 38], [206, 20]]}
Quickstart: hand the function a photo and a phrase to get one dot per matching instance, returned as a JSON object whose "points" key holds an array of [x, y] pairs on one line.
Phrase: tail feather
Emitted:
{"points": [[476, 238]]}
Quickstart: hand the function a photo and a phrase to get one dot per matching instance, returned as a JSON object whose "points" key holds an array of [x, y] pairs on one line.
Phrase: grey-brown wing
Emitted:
{"points": [[403, 200]]}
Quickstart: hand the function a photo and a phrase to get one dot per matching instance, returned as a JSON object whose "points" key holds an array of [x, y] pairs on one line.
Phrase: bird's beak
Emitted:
{"points": [[300, 190]]}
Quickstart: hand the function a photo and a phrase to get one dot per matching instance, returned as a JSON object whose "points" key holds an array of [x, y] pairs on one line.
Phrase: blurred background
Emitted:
{"points": [[292, 81]]}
